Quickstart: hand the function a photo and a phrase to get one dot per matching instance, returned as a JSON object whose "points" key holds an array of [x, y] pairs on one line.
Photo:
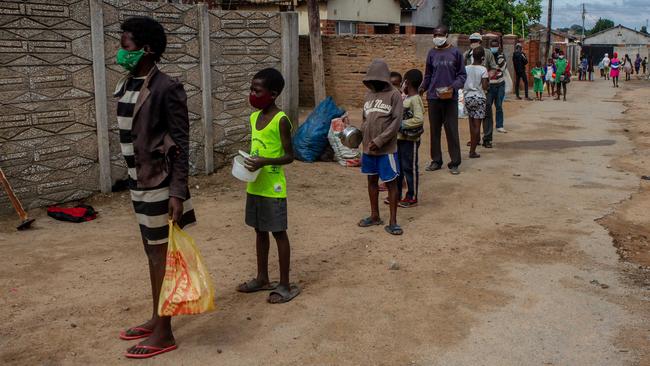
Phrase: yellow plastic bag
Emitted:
{"points": [[187, 287]]}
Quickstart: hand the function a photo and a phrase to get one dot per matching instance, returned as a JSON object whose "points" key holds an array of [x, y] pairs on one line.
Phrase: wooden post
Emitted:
{"points": [[206, 88], [99, 79], [548, 29], [317, 67]]}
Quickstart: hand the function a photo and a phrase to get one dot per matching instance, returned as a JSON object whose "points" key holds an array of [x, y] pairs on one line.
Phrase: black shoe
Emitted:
{"points": [[487, 144], [433, 166], [518, 97]]}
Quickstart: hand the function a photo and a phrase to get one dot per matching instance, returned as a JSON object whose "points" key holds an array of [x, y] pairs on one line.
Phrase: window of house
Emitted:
{"points": [[346, 28]]}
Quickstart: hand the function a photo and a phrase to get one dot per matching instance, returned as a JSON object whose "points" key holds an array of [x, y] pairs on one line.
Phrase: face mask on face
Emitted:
{"points": [[494, 49], [129, 59], [474, 45], [439, 41], [260, 102]]}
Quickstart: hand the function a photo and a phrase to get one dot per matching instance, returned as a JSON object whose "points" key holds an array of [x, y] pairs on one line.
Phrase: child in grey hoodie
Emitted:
{"points": [[382, 116]]}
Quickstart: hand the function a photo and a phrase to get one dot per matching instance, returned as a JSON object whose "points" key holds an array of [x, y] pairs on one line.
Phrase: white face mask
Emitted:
{"points": [[439, 41]]}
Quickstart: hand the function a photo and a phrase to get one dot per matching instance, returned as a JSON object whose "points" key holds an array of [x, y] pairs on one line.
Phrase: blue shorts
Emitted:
{"points": [[386, 166]]}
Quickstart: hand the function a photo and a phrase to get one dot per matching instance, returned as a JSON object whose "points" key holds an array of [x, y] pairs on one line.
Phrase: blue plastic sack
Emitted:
{"points": [[311, 139]]}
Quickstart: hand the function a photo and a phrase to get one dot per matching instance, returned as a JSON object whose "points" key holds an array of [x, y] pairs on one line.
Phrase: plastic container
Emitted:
{"points": [[240, 172]]}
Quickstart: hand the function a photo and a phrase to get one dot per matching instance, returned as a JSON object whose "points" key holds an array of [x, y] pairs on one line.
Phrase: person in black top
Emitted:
{"points": [[519, 61]]}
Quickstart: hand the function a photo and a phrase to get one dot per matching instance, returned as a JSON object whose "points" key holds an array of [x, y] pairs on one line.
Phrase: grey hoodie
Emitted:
{"points": [[382, 112]]}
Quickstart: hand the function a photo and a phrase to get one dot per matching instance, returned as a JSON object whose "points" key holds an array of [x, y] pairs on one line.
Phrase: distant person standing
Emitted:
{"points": [[562, 75], [474, 43], [538, 77], [549, 77], [627, 67], [444, 75], [584, 65], [637, 63], [519, 61], [495, 96], [644, 63], [475, 86], [614, 73], [607, 63], [488, 59], [601, 67], [590, 69]]}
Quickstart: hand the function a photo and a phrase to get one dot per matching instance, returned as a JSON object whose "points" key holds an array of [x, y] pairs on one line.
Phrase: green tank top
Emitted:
{"points": [[267, 143]]}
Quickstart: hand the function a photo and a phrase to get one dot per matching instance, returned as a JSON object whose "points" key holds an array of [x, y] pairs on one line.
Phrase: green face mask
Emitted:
{"points": [[129, 59]]}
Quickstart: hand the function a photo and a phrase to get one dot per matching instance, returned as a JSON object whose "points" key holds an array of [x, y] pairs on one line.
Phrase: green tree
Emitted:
{"points": [[469, 16], [601, 25], [644, 29]]}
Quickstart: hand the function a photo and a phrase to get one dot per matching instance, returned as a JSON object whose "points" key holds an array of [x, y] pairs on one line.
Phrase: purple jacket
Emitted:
{"points": [[445, 67]]}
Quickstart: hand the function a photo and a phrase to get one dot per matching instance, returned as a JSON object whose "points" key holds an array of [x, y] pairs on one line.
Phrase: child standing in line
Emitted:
{"points": [[266, 198], [538, 75], [382, 116], [550, 77], [396, 79], [408, 139], [476, 84]]}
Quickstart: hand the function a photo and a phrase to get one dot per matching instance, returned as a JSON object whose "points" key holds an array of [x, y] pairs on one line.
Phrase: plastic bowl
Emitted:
{"points": [[240, 172]]}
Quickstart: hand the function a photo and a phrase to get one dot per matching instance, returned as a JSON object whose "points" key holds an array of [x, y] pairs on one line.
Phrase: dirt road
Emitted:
{"points": [[504, 264]]}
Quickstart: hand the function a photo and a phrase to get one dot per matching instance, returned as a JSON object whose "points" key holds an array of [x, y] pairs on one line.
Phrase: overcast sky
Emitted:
{"points": [[630, 13]]}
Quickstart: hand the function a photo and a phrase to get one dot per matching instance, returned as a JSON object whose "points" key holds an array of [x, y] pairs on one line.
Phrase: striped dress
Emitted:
{"points": [[151, 205]]}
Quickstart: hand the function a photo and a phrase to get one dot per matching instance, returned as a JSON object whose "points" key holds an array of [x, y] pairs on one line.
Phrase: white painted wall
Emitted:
{"points": [[303, 19], [429, 14], [618, 36], [373, 11]]}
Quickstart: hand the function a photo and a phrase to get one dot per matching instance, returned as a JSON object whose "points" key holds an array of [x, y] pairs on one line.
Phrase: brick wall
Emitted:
{"points": [[347, 59]]}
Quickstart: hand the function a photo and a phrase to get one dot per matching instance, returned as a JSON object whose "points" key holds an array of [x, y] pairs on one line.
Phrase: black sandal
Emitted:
{"points": [[255, 285], [394, 229], [368, 222], [282, 294]]}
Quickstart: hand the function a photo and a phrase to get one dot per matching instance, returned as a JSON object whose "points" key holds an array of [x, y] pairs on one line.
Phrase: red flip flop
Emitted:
{"points": [[155, 351], [144, 333]]}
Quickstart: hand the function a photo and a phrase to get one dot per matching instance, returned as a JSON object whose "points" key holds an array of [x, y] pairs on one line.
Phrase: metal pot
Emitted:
{"points": [[351, 137]]}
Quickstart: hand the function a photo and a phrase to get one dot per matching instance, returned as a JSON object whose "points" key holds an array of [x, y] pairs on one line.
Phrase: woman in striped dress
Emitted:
{"points": [[154, 139]]}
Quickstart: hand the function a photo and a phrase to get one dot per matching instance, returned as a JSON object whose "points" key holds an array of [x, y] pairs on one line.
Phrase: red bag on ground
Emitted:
{"points": [[79, 213]]}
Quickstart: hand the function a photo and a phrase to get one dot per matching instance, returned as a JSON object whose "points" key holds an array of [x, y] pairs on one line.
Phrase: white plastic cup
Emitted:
{"points": [[240, 172]]}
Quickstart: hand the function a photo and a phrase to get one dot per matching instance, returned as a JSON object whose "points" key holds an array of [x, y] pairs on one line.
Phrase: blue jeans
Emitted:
{"points": [[496, 94]]}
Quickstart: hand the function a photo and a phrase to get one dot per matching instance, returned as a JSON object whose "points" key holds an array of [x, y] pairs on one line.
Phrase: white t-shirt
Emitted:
{"points": [[606, 61], [473, 87]]}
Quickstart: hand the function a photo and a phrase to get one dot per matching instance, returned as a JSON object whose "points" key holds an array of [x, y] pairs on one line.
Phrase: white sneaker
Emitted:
{"points": [[502, 130]]}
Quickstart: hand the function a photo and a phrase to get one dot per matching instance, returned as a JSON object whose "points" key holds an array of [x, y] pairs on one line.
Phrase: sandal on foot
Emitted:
{"points": [[281, 294], [150, 351], [135, 333], [368, 221], [394, 229], [256, 285]]}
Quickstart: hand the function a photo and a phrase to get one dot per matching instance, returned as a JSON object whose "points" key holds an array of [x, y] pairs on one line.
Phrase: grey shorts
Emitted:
{"points": [[266, 214]]}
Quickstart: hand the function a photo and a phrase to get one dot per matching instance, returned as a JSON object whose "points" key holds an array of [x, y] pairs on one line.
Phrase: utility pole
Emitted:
{"points": [[584, 12], [316, 44], [548, 28]]}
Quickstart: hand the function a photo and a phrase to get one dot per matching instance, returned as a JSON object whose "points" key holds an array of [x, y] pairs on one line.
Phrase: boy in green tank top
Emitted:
{"points": [[266, 198]]}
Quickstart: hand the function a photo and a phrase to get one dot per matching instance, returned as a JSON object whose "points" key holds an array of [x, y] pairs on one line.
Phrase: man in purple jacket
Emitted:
{"points": [[444, 75]]}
